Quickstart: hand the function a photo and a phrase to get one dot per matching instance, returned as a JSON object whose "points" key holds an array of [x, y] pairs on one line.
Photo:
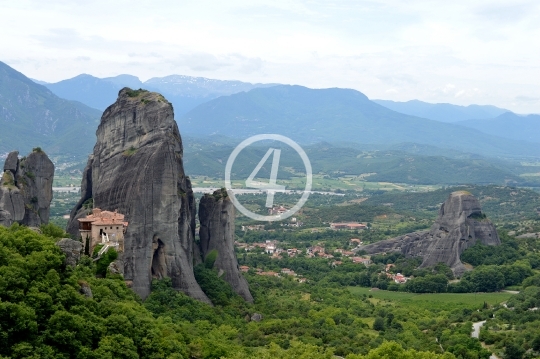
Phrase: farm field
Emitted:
{"points": [[444, 301], [323, 183]]}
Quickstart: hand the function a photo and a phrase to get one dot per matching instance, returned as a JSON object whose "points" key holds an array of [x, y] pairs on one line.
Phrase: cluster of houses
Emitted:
{"points": [[277, 210], [397, 278], [272, 248]]}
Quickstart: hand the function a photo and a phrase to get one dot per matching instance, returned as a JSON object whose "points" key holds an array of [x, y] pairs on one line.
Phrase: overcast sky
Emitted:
{"points": [[456, 51]]}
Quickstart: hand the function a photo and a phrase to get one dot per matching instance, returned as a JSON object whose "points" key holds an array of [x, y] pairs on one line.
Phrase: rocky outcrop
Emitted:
{"points": [[72, 249], [137, 168], [5, 218], [12, 162], [460, 225], [216, 232], [85, 289], [26, 189]]}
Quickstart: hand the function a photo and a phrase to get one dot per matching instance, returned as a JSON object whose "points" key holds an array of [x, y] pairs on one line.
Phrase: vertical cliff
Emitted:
{"points": [[137, 168], [216, 216], [459, 225], [26, 189]]}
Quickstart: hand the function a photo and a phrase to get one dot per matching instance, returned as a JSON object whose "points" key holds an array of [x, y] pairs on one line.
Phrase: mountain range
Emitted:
{"points": [[508, 125], [184, 92], [32, 116], [443, 112], [336, 116], [343, 122]]}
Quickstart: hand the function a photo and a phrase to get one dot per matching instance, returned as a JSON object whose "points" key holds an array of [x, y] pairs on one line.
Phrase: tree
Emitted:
{"points": [[486, 279], [513, 351], [378, 324]]}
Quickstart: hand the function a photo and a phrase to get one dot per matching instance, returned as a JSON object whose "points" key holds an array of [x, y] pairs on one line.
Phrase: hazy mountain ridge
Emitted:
{"points": [[32, 116], [184, 92], [443, 112], [508, 125], [335, 115], [206, 157]]}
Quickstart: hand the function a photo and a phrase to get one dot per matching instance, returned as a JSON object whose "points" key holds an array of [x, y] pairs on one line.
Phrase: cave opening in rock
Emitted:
{"points": [[158, 259]]}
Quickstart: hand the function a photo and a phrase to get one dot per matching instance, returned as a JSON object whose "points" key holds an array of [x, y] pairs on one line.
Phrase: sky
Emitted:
{"points": [[460, 52]]}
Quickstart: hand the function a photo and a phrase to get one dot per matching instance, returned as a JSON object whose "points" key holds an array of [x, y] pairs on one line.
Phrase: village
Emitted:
{"points": [[277, 250], [107, 229]]}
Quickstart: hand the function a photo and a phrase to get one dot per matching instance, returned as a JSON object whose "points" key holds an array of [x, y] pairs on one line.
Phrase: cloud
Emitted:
{"points": [[398, 80], [527, 99], [507, 13], [457, 51], [452, 91], [206, 62], [145, 55]]}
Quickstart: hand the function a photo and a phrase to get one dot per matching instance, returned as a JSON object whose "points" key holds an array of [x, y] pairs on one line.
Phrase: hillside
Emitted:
{"points": [[334, 115], [499, 203], [209, 159], [443, 112], [508, 125], [184, 92], [31, 112]]}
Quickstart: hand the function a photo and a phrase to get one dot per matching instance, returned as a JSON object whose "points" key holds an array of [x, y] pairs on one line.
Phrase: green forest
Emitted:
{"points": [[47, 311]]}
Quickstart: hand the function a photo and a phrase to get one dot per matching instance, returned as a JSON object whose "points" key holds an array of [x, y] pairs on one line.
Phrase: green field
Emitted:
{"points": [[322, 183], [446, 301]]}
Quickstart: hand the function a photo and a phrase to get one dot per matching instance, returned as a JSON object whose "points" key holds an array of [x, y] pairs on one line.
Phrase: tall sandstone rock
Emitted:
{"points": [[460, 225], [137, 168], [26, 189], [216, 216]]}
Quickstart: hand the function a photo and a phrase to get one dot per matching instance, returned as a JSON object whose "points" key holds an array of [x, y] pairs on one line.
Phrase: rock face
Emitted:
{"points": [[137, 168], [72, 249], [26, 189], [460, 225], [216, 216]]}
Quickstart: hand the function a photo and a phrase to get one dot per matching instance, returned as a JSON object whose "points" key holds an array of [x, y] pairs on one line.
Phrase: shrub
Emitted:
{"points": [[129, 152], [135, 93], [210, 259]]}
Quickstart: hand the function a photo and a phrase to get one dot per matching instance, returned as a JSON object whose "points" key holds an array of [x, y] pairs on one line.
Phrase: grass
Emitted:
{"points": [[129, 152], [446, 301]]}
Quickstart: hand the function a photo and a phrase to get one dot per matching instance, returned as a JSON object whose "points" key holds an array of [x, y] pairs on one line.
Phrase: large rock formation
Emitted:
{"points": [[72, 249], [136, 168], [216, 216], [26, 189], [460, 225]]}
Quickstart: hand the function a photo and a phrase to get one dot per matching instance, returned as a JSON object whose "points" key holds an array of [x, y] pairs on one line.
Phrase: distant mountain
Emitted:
{"points": [[122, 81], [335, 116], [92, 91], [39, 82], [184, 92], [32, 116], [443, 112], [509, 125]]}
